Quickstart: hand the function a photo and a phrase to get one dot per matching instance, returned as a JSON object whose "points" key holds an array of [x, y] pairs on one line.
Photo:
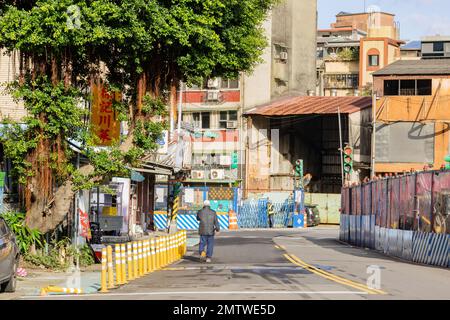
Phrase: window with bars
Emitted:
{"points": [[226, 116], [201, 120]]}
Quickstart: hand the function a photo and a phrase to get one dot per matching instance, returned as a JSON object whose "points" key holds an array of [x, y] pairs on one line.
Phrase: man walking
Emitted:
{"points": [[209, 224]]}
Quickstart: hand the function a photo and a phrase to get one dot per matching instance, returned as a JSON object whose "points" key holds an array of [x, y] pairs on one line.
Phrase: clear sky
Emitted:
{"points": [[417, 17]]}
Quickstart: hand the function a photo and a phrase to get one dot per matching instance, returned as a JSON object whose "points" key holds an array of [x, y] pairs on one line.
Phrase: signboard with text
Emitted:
{"points": [[105, 124]]}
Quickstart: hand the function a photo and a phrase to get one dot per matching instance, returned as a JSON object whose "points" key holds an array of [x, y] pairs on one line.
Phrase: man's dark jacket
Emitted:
{"points": [[209, 223]]}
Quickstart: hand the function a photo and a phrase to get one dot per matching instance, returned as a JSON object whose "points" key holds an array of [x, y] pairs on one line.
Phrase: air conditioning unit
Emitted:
{"points": [[217, 174], [213, 95], [213, 83], [283, 55], [198, 174], [231, 124]]}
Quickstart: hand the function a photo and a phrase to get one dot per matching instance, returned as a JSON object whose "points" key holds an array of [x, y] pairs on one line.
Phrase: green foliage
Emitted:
{"points": [[25, 236], [166, 40], [349, 54], [61, 255], [50, 261]]}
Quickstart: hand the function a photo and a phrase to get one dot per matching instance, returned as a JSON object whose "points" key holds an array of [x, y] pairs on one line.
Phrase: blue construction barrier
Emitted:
{"points": [[420, 247], [188, 221], [253, 214], [431, 248]]}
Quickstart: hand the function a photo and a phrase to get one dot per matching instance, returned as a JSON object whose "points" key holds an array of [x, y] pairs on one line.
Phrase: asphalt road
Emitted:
{"points": [[286, 264]]}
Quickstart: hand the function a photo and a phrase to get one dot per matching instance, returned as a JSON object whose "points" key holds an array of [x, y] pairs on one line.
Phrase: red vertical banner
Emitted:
{"points": [[104, 122], [84, 229]]}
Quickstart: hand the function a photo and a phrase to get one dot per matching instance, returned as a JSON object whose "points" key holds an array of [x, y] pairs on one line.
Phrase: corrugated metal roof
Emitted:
{"points": [[412, 45], [302, 105], [416, 67]]}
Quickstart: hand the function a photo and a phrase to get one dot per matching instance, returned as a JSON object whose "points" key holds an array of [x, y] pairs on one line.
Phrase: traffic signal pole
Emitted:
{"points": [[341, 149]]}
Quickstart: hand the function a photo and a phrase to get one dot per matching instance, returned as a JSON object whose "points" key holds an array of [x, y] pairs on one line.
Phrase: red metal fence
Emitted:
{"points": [[407, 202]]}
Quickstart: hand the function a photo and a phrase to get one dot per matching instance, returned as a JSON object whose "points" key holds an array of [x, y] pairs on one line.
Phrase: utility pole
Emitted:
{"points": [[374, 129], [180, 102], [341, 150]]}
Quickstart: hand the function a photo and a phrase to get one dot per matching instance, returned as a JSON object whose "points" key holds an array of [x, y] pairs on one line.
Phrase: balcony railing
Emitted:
{"points": [[341, 81]]}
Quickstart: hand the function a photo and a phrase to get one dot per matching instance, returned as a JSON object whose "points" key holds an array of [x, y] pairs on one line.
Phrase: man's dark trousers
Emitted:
{"points": [[207, 241]]}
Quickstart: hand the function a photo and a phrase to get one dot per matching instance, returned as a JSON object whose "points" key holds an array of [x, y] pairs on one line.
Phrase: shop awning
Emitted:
{"points": [[304, 105]]}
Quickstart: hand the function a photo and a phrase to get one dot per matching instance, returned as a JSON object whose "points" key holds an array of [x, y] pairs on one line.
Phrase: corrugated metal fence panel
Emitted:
{"points": [[431, 248], [352, 234], [384, 238], [342, 227], [407, 244], [372, 232], [347, 228], [378, 242]]}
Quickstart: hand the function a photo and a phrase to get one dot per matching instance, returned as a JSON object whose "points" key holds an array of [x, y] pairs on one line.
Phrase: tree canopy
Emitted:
{"points": [[141, 47]]}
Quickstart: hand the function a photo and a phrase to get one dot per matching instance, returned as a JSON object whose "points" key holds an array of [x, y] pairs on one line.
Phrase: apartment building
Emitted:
{"points": [[355, 46], [436, 47], [214, 110], [412, 115]]}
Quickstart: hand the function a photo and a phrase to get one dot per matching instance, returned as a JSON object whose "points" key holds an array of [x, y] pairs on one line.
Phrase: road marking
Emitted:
{"points": [[363, 286], [276, 246], [284, 292], [327, 275]]}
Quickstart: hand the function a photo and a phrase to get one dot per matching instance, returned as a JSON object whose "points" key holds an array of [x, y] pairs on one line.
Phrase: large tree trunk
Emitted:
{"points": [[46, 216]]}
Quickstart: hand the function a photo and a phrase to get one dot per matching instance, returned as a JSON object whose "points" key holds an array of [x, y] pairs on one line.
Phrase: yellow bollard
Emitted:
{"points": [[178, 249], [163, 251], [104, 286], [62, 290], [166, 250], [149, 256], [110, 267], [153, 254], [169, 248], [141, 266], [124, 263], [118, 261], [180, 236], [135, 260], [144, 256], [175, 247], [130, 261], [185, 242], [158, 254]]}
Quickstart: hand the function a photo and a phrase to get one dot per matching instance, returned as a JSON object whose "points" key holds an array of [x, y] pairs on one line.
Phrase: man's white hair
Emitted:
{"points": [[206, 203]]}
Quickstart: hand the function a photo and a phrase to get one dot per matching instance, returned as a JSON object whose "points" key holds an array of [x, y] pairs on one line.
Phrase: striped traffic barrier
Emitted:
{"points": [[130, 261], [103, 282], [110, 267], [232, 221], [117, 262], [123, 263]]}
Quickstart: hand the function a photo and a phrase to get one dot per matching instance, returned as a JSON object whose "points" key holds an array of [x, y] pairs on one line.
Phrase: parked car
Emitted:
{"points": [[9, 258], [313, 216]]}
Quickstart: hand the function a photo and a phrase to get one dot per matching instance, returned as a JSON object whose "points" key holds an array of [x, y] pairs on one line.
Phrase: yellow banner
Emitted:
{"points": [[104, 122]]}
